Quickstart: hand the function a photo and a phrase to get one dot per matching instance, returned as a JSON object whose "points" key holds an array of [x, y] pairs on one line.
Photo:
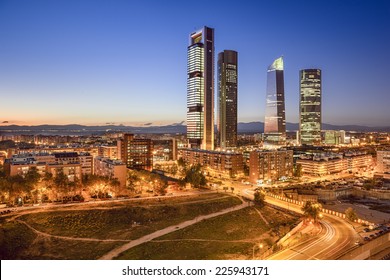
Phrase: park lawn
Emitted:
{"points": [[17, 241], [152, 201], [127, 222], [58, 249], [231, 236], [15, 238], [189, 250]]}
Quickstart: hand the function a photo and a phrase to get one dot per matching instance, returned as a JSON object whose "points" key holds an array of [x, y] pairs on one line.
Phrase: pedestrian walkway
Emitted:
{"points": [[117, 251]]}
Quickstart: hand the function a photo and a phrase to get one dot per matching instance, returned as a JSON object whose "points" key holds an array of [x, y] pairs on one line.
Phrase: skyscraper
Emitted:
{"points": [[227, 99], [275, 115], [310, 106], [200, 89]]}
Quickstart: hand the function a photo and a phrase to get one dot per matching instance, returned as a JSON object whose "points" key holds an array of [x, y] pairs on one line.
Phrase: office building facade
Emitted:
{"points": [[310, 95], [227, 99], [200, 89], [383, 164], [222, 164], [275, 114], [270, 166], [113, 169], [136, 153]]}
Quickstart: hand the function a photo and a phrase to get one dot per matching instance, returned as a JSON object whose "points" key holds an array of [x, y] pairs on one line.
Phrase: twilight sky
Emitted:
{"points": [[93, 62]]}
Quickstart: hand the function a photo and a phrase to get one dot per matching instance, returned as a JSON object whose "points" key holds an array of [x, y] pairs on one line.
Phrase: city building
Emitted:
{"points": [[20, 166], [136, 153], [275, 115], [323, 164], [318, 165], [270, 165], [334, 137], [86, 162], [164, 150], [108, 151], [310, 94], [356, 161], [227, 99], [223, 164], [71, 164], [71, 170], [200, 89], [114, 169], [383, 164]]}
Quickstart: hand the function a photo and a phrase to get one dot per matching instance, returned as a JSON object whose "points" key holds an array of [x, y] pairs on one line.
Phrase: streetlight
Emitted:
{"points": [[253, 250]]}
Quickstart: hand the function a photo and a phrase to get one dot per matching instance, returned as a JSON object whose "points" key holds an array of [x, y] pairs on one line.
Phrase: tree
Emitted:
{"points": [[195, 177], [311, 210], [132, 179], [160, 187], [2, 173], [115, 184], [351, 215], [182, 168], [32, 178], [16, 187], [181, 162], [174, 169], [61, 184], [259, 198], [298, 170]]}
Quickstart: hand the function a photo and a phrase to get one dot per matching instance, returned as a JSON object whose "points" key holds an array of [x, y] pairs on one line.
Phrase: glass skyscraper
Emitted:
{"points": [[310, 106], [275, 115], [200, 89], [227, 99]]}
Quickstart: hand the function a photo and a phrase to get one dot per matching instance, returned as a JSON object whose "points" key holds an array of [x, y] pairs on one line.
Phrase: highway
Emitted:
{"points": [[336, 236]]}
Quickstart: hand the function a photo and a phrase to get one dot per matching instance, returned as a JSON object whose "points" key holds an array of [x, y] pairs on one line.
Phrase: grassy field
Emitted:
{"points": [[15, 238], [123, 220], [231, 236], [126, 222]]}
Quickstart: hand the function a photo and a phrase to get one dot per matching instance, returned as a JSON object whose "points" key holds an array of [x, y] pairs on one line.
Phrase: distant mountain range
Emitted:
{"points": [[253, 127], [76, 129]]}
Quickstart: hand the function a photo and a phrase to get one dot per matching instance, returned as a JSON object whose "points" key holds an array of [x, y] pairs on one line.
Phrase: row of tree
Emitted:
{"points": [[140, 181], [35, 188], [312, 212]]}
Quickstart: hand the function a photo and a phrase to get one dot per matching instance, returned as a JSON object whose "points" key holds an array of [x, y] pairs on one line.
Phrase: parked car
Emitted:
{"points": [[366, 238]]}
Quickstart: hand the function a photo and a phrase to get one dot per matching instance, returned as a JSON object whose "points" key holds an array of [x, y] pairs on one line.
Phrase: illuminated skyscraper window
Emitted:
{"points": [[200, 89], [227, 99], [310, 106], [275, 115]]}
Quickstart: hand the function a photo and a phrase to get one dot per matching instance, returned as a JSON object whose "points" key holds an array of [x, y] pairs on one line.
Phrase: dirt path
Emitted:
{"points": [[43, 234], [115, 252], [261, 216]]}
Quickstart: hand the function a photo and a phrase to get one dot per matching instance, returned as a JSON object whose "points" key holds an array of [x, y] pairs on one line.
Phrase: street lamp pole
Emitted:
{"points": [[253, 249]]}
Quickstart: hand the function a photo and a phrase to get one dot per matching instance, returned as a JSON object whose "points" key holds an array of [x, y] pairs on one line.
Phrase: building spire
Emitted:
{"points": [[277, 64]]}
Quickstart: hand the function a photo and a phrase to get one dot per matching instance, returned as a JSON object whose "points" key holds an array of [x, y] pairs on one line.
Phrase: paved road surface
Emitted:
{"points": [[336, 237]]}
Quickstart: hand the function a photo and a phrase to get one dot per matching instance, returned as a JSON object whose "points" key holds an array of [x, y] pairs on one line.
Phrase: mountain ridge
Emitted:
{"points": [[249, 127]]}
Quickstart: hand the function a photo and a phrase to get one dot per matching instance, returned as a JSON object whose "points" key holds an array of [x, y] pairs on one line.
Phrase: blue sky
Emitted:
{"points": [[93, 62]]}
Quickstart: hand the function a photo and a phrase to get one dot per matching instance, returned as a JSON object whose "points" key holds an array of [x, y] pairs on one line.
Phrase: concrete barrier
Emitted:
{"points": [[369, 249], [324, 210]]}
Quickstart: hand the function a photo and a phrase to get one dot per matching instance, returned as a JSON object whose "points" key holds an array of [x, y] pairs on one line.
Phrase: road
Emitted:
{"points": [[336, 237]]}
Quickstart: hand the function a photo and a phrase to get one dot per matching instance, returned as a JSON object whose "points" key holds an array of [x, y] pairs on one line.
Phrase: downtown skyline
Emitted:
{"points": [[80, 63]]}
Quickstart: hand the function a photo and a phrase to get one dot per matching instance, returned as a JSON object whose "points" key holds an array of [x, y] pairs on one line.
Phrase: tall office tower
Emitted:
{"points": [[310, 106], [275, 115], [200, 89], [227, 99]]}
